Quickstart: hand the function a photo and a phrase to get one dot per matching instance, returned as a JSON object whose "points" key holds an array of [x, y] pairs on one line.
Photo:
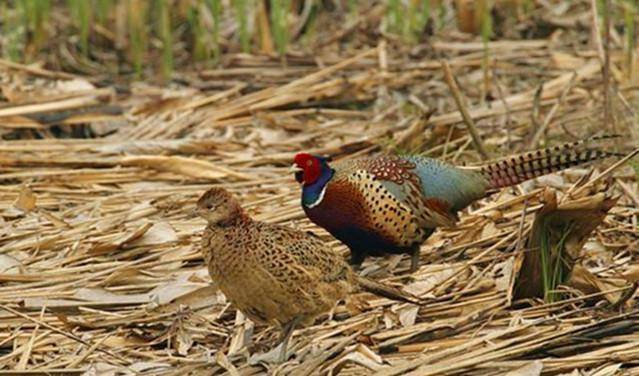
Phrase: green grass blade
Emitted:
{"points": [[279, 24], [14, 31], [241, 13], [103, 7], [164, 31], [215, 7], [81, 15], [629, 13], [136, 12]]}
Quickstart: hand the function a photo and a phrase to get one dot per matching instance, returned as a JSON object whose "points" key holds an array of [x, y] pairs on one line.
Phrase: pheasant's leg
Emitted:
{"points": [[357, 257], [287, 330], [331, 313], [414, 252], [414, 259], [278, 354]]}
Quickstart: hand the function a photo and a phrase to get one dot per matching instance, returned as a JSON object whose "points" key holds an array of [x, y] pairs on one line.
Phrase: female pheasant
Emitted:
{"points": [[392, 204], [274, 274]]}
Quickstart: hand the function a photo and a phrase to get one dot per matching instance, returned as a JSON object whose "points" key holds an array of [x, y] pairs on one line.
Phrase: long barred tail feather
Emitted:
{"points": [[517, 169]]}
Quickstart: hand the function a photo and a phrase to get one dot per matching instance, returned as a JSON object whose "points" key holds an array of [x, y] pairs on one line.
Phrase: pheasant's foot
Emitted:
{"points": [[357, 258], [331, 313], [279, 354]]}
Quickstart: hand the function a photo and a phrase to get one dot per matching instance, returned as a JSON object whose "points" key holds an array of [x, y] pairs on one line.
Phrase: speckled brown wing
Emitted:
{"points": [[312, 253], [278, 278], [400, 177], [307, 274]]}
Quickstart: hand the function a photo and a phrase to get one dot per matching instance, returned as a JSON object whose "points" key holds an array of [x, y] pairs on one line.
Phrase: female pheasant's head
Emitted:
{"points": [[219, 207], [313, 172]]}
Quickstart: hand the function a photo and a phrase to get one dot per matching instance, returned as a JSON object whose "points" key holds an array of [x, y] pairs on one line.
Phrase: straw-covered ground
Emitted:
{"points": [[100, 271]]}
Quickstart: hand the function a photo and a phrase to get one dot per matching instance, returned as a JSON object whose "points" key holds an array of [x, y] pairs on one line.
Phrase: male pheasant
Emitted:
{"points": [[392, 204], [274, 274]]}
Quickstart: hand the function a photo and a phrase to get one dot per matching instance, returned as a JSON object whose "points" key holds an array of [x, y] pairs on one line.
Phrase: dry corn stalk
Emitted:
{"points": [[556, 240]]}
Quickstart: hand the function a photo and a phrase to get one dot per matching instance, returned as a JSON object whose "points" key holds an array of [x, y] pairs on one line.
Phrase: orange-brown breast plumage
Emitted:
{"points": [[370, 218]]}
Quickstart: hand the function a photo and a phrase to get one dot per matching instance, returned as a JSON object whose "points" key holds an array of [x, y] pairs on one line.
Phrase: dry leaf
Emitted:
{"points": [[358, 354], [150, 366], [26, 200], [408, 315], [563, 60], [120, 240], [190, 167], [554, 181], [184, 341], [73, 85], [57, 222], [589, 283], [631, 274], [9, 265], [389, 319], [489, 230], [196, 299], [609, 370], [531, 369], [269, 137], [242, 333], [20, 122], [171, 290], [117, 341], [505, 270], [159, 233], [225, 363], [125, 276], [420, 287], [101, 295]]}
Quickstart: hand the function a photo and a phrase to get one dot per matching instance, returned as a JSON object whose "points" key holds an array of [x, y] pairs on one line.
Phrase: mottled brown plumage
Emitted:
{"points": [[274, 274]]}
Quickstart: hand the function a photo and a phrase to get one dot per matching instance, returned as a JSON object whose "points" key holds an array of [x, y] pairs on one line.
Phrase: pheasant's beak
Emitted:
{"points": [[298, 172]]}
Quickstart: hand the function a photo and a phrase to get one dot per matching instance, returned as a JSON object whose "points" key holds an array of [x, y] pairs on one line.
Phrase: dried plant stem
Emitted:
{"points": [[596, 32], [62, 332], [468, 120], [608, 118], [540, 131], [603, 51]]}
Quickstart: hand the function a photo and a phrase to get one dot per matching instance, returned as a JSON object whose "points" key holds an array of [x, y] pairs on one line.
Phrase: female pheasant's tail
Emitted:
{"points": [[517, 169], [386, 291]]}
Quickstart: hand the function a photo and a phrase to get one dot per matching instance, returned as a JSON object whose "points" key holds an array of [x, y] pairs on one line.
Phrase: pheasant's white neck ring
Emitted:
{"points": [[319, 199]]}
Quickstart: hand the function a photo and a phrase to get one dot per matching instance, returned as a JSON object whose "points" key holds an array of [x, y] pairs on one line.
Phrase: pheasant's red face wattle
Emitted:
{"points": [[310, 168]]}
